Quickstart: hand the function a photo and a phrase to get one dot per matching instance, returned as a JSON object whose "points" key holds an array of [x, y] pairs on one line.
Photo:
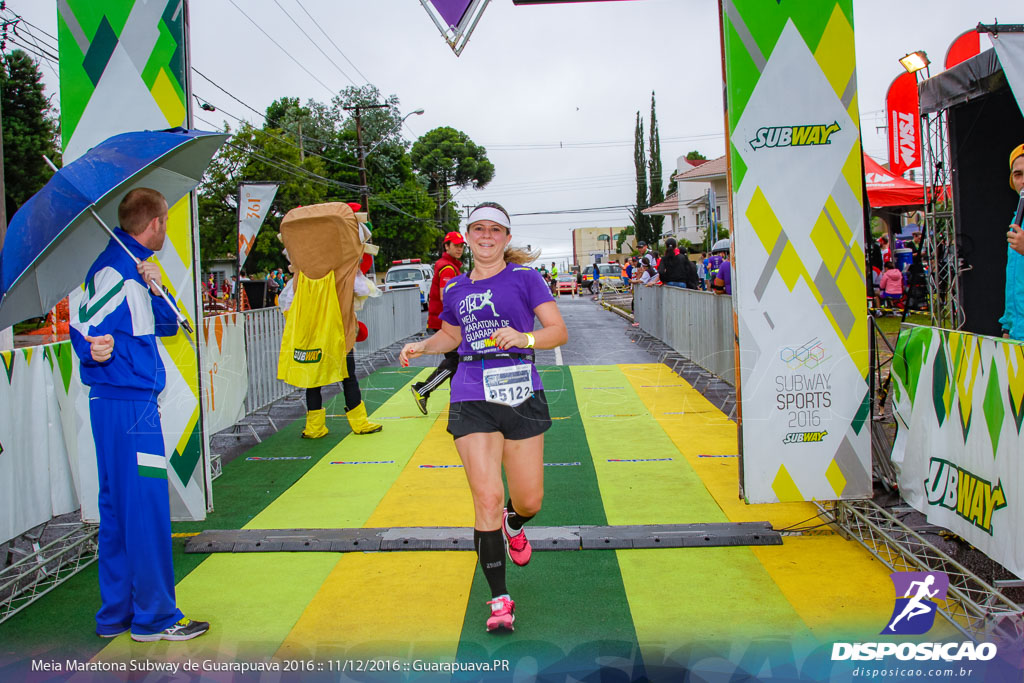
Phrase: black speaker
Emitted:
{"points": [[981, 134], [256, 292]]}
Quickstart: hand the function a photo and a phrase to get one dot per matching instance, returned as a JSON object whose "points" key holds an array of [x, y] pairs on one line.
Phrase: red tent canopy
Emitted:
{"points": [[886, 189]]}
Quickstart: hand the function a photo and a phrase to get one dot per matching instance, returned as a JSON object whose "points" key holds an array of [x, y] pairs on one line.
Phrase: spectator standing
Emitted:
{"points": [[114, 333], [723, 279], [1012, 319], [675, 269]]}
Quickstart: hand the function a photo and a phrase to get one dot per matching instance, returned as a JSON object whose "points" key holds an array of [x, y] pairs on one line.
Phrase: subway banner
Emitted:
{"points": [[958, 400], [799, 288], [123, 67]]}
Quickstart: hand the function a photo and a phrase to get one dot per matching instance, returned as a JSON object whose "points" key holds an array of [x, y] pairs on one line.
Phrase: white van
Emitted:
{"points": [[409, 273]]}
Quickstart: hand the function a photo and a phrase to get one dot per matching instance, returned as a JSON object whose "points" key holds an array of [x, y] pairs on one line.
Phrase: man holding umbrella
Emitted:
{"points": [[114, 332]]}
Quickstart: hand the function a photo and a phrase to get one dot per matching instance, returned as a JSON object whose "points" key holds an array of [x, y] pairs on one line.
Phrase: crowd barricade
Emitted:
{"points": [[46, 449], [389, 318], [264, 328], [696, 324]]}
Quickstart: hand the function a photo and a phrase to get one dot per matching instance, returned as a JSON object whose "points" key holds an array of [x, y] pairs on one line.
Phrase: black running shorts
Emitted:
{"points": [[528, 419]]}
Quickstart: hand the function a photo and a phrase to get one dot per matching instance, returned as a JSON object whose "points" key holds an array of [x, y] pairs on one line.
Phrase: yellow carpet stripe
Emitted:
{"points": [[254, 599], [684, 595], [835, 585], [380, 604]]}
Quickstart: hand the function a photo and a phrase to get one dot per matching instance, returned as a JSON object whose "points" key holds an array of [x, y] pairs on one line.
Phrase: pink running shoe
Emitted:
{"points": [[518, 546], [502, 613]]}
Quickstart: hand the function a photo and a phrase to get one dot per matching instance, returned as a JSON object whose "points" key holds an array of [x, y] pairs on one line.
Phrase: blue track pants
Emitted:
{"points": [[135, 567]]}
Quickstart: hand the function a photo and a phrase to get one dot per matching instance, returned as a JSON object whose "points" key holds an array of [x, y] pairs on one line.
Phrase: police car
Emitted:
{"points": [[409, 273]]}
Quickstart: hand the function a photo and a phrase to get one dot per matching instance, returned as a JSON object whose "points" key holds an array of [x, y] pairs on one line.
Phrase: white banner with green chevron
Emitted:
{"points": [[799, 283], [38, 434], [123, 67], [958, 399]]}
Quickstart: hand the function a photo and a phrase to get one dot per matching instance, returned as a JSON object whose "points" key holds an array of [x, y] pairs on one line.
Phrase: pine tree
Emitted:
{"points": [[29, 129], [657, 194], [641, 222]]}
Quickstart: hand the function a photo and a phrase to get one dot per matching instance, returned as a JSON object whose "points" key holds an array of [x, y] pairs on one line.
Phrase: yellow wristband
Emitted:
{"points": [[530, 341]]}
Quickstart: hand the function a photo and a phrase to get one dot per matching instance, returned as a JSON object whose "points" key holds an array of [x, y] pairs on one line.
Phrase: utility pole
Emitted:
{"points": [[358, 109]]}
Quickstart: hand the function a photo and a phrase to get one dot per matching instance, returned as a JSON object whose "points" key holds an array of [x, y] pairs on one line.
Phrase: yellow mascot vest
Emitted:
{"points": [[313, 346]]}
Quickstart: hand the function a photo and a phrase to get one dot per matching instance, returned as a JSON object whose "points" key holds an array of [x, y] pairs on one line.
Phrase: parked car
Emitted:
{"points": [[611, 274], [567, 283], [409, 273]]}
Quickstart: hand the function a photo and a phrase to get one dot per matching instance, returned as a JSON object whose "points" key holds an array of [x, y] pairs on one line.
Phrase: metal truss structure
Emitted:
{"points": [[972, 606], [940, 244], [44, 567]]}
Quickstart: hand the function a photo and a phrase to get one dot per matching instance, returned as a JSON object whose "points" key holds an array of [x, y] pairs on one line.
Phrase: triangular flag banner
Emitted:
{"points": [[455, 19], [451, 11]]}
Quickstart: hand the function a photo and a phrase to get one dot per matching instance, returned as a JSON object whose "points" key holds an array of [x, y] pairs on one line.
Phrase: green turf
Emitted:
{"points": [[586, 586], [63, 620]]}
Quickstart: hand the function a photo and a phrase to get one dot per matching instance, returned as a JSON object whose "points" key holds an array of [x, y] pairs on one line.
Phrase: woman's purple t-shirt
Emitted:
{"points": [[481, 308]]}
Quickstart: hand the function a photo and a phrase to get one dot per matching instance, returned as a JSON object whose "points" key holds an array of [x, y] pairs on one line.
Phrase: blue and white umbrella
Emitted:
{"points": [[57, 234]]}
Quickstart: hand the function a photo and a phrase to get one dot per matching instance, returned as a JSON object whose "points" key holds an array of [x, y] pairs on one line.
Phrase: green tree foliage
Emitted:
{"points": [[620, 238], [403, 224], [695, 156], [257, 155], [29, 129], [449, 158], [657, 193], [641, 222]]}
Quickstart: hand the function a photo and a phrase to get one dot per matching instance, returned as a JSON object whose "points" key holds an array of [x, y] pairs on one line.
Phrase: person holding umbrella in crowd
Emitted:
{"points": [[498, 412], [114, 333]]}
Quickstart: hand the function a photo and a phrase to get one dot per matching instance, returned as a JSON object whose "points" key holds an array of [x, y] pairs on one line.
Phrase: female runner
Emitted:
{"points": [[498, 412]]}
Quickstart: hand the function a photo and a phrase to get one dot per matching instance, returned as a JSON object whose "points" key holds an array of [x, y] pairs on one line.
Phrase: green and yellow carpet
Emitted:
{"points": [[642, 438]]}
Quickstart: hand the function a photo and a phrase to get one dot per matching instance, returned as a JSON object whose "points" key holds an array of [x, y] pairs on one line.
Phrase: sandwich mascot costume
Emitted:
{"points": [[329, 251]]}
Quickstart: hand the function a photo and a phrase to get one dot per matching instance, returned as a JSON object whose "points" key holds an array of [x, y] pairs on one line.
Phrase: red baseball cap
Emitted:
{"points": [[454, 238]]}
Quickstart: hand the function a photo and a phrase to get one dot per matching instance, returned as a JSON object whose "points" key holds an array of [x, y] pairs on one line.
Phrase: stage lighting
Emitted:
{"points": [[915, 61]]}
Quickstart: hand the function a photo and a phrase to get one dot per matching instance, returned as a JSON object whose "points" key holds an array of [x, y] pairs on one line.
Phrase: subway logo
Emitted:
{"points": [[308, 355], [795, 136]]}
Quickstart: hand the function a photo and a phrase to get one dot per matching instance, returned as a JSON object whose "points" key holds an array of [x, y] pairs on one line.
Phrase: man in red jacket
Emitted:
{"points": [[446, 267]]}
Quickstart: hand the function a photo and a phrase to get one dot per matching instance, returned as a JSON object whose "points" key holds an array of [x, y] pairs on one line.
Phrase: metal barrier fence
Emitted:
{"points": [[389, 318], [264, 328], [698, 325]]}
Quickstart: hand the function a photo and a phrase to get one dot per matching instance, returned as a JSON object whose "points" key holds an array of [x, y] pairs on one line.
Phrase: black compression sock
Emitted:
{"points": [[515, 520], [490, 548]]}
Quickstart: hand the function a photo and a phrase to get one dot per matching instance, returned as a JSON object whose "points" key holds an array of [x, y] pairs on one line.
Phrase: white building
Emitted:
{"points": [[687, 209]]}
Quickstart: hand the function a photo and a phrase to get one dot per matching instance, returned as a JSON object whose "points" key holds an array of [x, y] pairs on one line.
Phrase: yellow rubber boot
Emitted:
{"points": [[358, 422], [316, 424]]}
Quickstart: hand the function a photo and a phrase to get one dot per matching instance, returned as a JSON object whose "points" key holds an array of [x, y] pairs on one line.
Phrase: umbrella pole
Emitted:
{"points": [[182, 320]]}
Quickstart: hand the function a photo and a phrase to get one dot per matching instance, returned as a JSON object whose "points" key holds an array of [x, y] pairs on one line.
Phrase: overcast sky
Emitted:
{"points": [[551, 91]]}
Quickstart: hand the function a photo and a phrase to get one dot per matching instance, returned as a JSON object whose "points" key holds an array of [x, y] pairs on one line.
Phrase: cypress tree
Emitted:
{"points": [[657, 194], [641, 222]]}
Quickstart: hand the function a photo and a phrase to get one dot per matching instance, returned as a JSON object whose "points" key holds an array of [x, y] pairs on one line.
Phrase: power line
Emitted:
{"points": [[285, 140], [271, 39], [317, 46], [317, 24]]}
